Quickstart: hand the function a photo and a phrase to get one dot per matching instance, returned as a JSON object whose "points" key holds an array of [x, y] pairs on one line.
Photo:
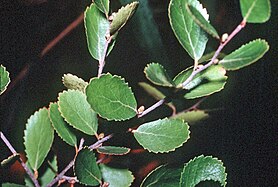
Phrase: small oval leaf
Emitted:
{"points": [[9, 161], [201, 21], [77, 111], [61, 127], [73, 82], [162, 135], [245, 55], [192, 117], [116, 177], [38, 138], [256, 11], [204, 83], [157, 74], [189, 34], [203, 168], [4, 79], [111, 98], [164, 175], [86, 168], [103, 6], [112, 150], [96, 27], [121, 17]]}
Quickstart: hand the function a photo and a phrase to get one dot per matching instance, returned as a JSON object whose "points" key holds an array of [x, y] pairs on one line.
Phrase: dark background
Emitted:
{"points": [[242, 132]]}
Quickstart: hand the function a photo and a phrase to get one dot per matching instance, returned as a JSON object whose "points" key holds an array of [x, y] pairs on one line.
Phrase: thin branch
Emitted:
{"points": [[198, 69], [31, 175], [99, 142]]}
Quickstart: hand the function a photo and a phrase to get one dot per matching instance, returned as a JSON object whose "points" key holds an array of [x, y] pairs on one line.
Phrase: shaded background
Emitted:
{"points": [[242, 132]]}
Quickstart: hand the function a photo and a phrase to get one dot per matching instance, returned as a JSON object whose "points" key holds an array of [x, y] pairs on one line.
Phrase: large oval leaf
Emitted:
{"points": [[201, 169], [4, 79], [157, 74], [77, 111], [38, 138], [111, 98], [190, 35], [86, 168], [116, 177], [204, 83], [256, 11], [121, 17], [245, 55], [61, 127], [165, 176], [162, 135], [96, 27]]}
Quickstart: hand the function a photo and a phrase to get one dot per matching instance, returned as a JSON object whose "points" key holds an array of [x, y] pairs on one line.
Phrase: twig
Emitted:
{"points": [[31, 175], [198, 69], [99, 142]]}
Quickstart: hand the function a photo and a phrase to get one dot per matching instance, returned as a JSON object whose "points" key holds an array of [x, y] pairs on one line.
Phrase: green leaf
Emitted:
{"points": [[201, 21], [111, 98], [86, 168], [162, 135], [4, 79], [165, 175], [157, 74], [77, 111], [155, 93], [201, 169], [256, 11], [116, 177], [38, 138], [190, 35], [12, 185], [245, 55], [103, 6], [61, 127], [96, 27], [49, 174], [192, 117], [10, 160], [204, 83], [112, 150], [121, 17], [73, 82]]}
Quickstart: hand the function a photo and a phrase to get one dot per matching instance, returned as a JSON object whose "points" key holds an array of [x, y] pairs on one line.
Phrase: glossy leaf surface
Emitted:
{"points": [[73, 82], [204, 83], [190, 35], [162, 135], [245, 55], [86, 168], [201, 169], [61, 127], [96, 27], [77, 111], [38, 138], [111, 98], [103, 6], [113, 150], [256, 11], [116, 177], [157, 74], [4, 79], [201, 21], [165, 176], [121, 17]]}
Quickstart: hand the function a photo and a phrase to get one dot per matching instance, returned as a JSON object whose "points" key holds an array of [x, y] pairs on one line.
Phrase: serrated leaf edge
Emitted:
{"points": [[25, 131], [202, 156], [9, 80], [244, 45], [128, 150], [80, 79], [156, 152], [62, 113], [250, 10], [159, 84], [123, 80]]}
